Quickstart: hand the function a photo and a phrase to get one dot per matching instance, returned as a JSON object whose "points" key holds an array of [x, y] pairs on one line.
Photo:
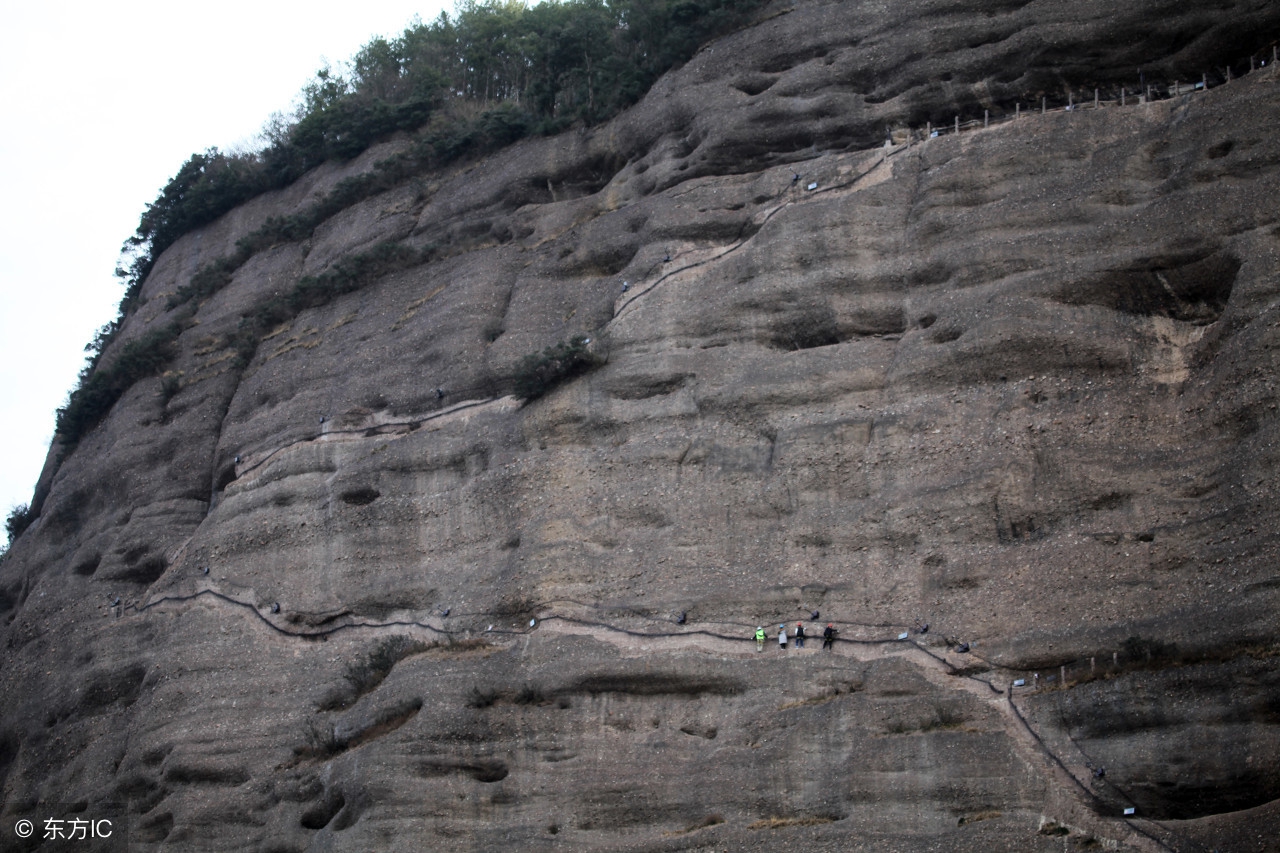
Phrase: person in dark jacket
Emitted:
{"points": [[799, 635], [829, 636]]}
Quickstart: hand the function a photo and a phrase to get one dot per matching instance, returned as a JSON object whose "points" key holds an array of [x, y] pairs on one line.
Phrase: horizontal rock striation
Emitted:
{"points": [[330, 585]]}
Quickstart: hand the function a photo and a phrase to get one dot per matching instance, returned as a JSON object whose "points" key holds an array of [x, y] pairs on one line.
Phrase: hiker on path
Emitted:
{"points": [[799, 635], [759, 638], [782, 637], [828, 636]]}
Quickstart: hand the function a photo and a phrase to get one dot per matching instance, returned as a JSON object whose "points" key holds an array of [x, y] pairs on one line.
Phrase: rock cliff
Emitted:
{"points": [[1015, 384]]}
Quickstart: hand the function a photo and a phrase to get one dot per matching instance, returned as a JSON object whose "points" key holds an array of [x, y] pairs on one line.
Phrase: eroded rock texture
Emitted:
{"points": [[1018, 384]]}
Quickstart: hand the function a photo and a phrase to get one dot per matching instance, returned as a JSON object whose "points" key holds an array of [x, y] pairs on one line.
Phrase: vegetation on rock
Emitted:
{"points": [[539, 374], [496, 72], [19, 519], [346, 276], [100, 388]]}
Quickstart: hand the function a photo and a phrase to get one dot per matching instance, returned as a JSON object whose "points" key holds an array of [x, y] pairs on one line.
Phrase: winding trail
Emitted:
{"points": [[881, 160], [939, 670], [375, 429], [947, 671]]}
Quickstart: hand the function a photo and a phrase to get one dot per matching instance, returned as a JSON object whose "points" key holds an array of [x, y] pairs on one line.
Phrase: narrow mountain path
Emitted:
{"points": [[1064, 773], [1075, 807]]}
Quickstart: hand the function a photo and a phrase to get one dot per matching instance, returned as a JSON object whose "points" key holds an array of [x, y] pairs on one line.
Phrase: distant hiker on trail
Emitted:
{"points": [[828, 636], [759, 638], [782, 637], [799, 635]]}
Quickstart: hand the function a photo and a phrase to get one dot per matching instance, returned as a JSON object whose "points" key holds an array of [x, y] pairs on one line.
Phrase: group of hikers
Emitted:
{"points": [[828, 636]]}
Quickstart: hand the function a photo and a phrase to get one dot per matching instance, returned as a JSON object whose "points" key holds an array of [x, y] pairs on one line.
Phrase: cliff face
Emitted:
{"points": [[1016, 383]]}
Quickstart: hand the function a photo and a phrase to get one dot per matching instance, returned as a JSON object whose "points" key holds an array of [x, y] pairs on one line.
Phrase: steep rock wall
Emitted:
{"points": [[1014, 383]]}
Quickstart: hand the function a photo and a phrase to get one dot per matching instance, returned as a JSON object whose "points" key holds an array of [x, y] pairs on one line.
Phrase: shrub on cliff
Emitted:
{"points": [[351, 273], [99, 389], [540, 373], [20, 518]]}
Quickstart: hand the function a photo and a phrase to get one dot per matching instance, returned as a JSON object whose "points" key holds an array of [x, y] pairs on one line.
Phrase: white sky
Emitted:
{"points": [[100, 104]]}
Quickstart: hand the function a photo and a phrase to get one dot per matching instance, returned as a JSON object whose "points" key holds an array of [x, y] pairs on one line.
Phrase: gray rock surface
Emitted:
{"points": [[1017, 383]]}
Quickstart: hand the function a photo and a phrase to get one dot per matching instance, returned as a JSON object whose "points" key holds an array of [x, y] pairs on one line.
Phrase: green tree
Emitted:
{"points": [[376, 71], [493, 73], [324, 92]]}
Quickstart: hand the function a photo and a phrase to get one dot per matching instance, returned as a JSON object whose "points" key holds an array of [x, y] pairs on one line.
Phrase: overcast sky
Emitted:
{"points": [[101, 104]]}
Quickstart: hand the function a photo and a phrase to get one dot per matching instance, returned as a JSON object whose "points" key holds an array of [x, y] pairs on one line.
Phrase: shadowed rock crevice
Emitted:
{"points": [[754, 84], [1191, 287], [486, 771], [809, 325], [184, 773], [360, 496], [575, 179], [141, 567], [602, 259], [86, 567], [644, 386], [226, 476], [322, 813], [655, 684]]}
